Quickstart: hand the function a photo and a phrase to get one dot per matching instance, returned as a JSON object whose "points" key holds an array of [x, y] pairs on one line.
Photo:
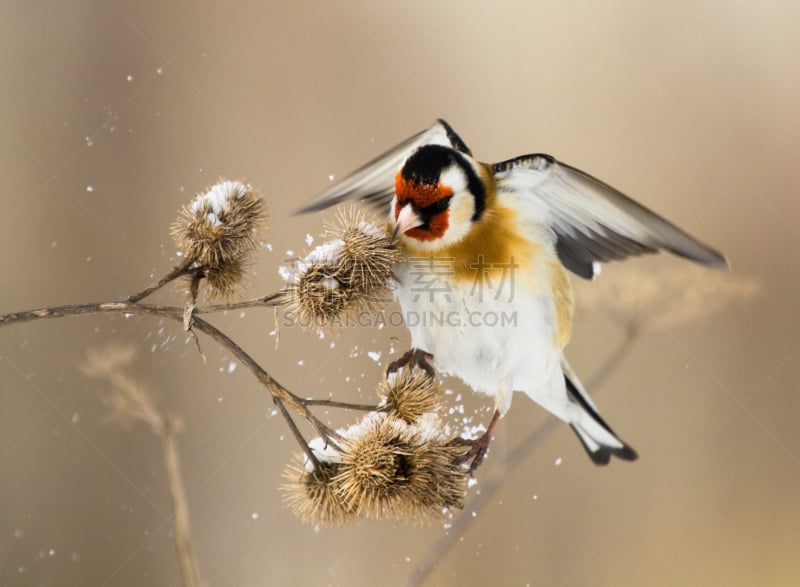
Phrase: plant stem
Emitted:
{"points": [[180, 505], [177, 272]]}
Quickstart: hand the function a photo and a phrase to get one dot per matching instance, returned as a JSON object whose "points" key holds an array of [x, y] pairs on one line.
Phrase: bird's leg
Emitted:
{"points": [[478, 447], [413, 358]]}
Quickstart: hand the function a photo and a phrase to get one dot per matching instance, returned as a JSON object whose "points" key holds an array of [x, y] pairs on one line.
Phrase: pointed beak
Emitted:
{"points": [[406, 220]]}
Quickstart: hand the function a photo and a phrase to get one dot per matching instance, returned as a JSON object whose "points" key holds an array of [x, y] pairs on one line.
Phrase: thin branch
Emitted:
{"points": [[298, 435], [177, 272], [270, 300], [514, 459], [329, 403]]}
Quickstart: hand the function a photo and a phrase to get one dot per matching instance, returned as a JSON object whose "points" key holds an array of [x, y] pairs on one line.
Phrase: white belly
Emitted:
{"points": [[496, 339]]}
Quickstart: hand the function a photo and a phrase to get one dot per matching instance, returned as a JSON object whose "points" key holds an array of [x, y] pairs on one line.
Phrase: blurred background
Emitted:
{"points": [[114, 113]]}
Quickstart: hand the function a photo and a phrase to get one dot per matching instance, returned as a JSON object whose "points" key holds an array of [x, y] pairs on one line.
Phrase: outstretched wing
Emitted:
{"points": [[593, 221], [374, 181]]}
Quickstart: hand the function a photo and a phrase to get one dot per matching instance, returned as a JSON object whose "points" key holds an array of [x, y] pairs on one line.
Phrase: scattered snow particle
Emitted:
{"points": [[375, 356], [53, 244], [535, 497], [290, 253], [472, 482], [558, 461], [232, 367], [88, 259], [159, 70], [273, 412], [75, 557], [89, 141], [330, 177], [19, 533], [220, 399], [309, 239], [286, 273], [407, 559], [129, 78], [76, 417], [218, 199], [90, 188], [21, 570], [300, 362], [52, 552], [474, 514], [254, 516]]}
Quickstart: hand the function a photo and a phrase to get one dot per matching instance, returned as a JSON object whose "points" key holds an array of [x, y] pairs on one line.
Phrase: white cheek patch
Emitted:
{"points": [[454, 178], [462, 208]]}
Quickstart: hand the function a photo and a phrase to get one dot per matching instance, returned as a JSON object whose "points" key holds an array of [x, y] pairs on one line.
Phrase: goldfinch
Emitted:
{"points": [[483, 287]]}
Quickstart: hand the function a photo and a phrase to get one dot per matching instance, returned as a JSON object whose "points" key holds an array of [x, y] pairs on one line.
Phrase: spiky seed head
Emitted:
{"points": [[313, 292], [312, 495], [223, 281], [221, 226], [374, 464], [346, 275], [391, 470], [410, 393], [368, 257]]}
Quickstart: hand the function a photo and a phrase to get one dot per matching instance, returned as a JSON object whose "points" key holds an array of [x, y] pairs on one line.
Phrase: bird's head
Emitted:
{"points": [[439, 195]]}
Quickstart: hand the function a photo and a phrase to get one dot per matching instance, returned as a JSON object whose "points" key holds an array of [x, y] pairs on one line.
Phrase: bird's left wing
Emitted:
{"points": [[374, 181], [593, 221]]}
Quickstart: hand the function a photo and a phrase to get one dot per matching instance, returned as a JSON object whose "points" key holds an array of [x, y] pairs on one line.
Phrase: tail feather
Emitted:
{"points": [[597, 437]]}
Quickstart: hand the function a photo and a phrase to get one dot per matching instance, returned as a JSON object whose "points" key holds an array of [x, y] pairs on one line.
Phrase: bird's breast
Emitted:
{"points": [[494, 307]]}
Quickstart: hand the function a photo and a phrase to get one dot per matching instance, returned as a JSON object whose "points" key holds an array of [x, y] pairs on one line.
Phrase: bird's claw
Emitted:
{"points": [[476, 453], [414, 358], [477, 447]]}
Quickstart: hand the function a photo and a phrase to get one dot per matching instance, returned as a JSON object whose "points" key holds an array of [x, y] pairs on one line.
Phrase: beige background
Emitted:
{"points": [[113, 113]]}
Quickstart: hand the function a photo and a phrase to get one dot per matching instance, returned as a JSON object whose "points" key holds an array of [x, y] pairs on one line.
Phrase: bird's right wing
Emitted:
{"points": [[594, 222], [374, 181]]}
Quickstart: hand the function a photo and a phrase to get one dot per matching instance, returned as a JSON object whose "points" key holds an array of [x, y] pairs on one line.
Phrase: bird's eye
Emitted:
{"points": [[440, 205]]}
